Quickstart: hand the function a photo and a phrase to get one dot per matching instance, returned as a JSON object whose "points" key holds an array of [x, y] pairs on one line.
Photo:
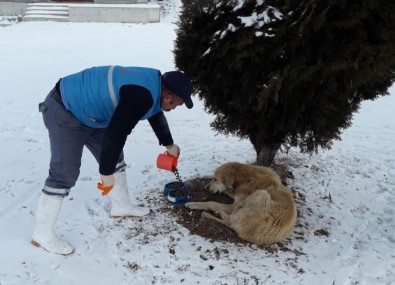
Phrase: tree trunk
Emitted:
{"points": [[266, 148], [266, 153]]}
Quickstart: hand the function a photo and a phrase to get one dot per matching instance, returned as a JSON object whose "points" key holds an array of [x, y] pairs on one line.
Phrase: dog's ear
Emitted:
{"points": [[231, 177], [229, 182], [230, 188]]}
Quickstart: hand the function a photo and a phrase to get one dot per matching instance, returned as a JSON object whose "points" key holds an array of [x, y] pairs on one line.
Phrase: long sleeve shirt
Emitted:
{"points": [[134, 103]]}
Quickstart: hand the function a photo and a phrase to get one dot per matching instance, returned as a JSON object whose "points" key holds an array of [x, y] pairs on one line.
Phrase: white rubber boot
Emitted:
{"points": [[121, 205], [46, 216]]}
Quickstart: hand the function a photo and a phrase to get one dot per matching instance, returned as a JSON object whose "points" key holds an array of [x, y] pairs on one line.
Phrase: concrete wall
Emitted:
{"points": [[94, 12], [18, 7], [120, 1], [140, 13], [12, 8]]}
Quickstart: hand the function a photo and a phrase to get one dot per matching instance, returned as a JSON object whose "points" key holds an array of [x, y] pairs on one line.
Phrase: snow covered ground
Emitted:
{"points": [[345, 233]]}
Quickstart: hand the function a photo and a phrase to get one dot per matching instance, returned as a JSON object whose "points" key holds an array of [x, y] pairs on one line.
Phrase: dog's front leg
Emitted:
{"points": [[194, 205], [197, 205], [210, 206]]}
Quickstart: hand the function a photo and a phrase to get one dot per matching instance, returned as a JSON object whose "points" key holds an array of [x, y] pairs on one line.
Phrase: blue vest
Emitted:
{"points": [[93, 94]]}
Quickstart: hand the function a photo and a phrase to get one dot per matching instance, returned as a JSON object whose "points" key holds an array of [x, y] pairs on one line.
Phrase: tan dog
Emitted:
{"points": [[263, 211]]}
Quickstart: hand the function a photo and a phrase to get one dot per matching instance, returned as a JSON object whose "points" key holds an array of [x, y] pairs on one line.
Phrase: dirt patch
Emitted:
{"points": [[215, 232], [321, 232], [191, 219]]}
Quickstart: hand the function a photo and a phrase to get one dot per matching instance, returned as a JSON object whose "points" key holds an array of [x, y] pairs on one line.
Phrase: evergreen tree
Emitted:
{"points": [[286, 73]]}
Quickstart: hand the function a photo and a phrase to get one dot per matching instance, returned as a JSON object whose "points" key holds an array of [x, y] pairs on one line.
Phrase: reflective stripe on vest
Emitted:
{"points": [[111, 86]]}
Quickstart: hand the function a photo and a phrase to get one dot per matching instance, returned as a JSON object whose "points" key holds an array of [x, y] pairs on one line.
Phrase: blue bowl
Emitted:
{"points": [[176, 185], [170, 189]]}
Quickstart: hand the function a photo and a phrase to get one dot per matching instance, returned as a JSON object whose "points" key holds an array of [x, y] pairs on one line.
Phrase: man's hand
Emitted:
{"points": [[173, 150], [106, 184]]}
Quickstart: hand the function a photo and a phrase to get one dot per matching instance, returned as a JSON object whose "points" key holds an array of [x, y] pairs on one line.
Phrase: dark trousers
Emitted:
{"points": [[67, 136]]}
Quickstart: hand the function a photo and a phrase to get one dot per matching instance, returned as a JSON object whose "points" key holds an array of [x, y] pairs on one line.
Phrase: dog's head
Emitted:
{"points": [[223, 180]]}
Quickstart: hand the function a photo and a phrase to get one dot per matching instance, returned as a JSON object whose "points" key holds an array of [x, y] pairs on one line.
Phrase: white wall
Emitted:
{"points": [[144, 13], [120, 1], [12, 8], [137, 13]]}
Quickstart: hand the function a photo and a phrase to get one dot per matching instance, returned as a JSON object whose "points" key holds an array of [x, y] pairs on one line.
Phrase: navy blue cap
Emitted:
{"points": [[180, 85]]}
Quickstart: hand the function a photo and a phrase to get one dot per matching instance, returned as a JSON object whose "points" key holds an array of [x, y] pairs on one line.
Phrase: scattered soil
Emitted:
{"points": [[321, 232], [191, 219], [213, 231]]}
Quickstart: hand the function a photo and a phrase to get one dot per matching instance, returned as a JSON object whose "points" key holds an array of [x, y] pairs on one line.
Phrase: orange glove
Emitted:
{"points": [[173, 150], [106, 184]]}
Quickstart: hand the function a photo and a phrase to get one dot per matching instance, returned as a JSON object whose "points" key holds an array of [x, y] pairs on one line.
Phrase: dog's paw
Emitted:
{"points": [[191, 205]]}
